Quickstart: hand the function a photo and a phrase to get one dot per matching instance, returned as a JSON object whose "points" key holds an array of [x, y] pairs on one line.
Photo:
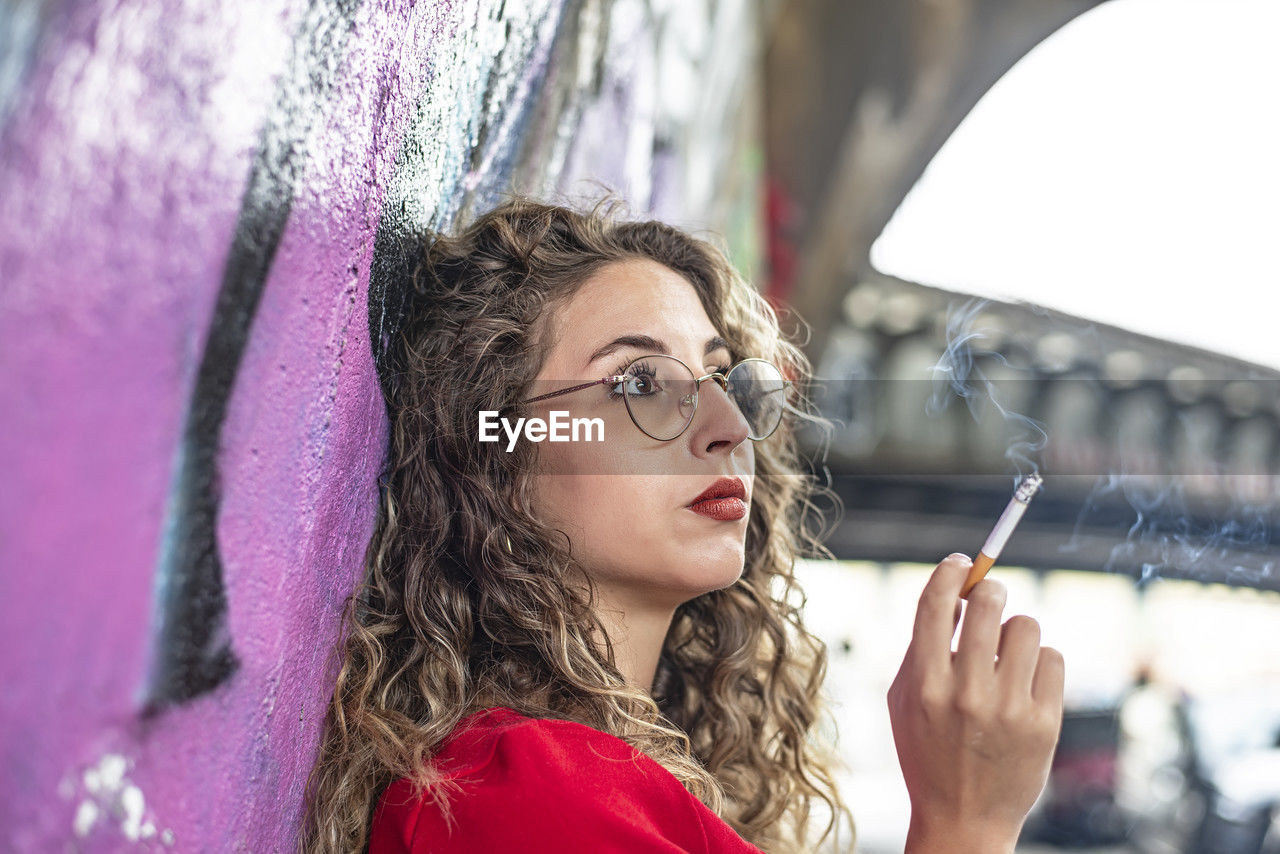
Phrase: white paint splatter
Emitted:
{"points": [[86, 815], [131, 803], [109, 797]]}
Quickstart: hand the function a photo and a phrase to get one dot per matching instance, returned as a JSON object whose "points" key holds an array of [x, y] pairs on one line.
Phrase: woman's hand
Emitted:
{"points": [[975, 733]]}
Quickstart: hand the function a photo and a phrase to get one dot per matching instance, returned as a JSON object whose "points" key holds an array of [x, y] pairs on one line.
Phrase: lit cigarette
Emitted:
{"points": [[1000, 533]]}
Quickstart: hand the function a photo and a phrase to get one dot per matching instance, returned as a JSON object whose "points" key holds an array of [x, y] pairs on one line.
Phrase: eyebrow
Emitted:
{"points": [[652, 345]]}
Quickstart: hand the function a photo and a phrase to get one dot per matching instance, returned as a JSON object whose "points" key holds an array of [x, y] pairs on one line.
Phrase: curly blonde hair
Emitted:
{"points": [[465, 604]]}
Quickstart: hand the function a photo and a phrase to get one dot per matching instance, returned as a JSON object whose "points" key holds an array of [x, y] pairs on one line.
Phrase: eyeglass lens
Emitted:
{"points": [[661, 395]]}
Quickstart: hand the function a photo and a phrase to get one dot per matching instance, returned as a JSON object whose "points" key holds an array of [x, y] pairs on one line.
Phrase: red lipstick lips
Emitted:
{"points": [[724, 500]]}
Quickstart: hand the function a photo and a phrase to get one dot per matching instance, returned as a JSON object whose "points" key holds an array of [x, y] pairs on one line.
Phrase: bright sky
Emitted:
{"points": [[1127, 170]]}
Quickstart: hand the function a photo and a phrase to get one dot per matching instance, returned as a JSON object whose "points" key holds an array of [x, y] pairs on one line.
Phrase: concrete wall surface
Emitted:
{"points": [[193, 201]]}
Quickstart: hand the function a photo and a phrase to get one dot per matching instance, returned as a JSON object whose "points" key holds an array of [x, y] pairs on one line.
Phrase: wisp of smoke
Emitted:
{"points": [[958, 373], [1234, 546]]}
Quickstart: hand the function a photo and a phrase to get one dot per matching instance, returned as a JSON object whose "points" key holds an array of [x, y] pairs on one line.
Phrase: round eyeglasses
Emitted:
{"points": [[661, 394]]}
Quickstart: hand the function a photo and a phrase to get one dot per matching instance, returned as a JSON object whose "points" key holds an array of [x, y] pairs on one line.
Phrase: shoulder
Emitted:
{"points": [[525, 782], [499, 741]]}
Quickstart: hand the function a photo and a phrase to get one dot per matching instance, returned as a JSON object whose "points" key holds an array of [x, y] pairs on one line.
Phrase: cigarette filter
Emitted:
{"points": [[1000, 533]]}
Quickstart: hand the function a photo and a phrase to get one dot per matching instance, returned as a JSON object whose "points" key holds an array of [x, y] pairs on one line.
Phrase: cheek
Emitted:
{"points": [[568, 484], [610, 502], [609, 518]]}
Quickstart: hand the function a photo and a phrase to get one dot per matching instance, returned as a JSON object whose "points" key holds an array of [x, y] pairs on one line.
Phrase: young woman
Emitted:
{"points": [[592, 645]]}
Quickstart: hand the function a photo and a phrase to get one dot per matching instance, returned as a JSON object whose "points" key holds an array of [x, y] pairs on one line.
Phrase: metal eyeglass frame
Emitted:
{"points": [[722, 379]]}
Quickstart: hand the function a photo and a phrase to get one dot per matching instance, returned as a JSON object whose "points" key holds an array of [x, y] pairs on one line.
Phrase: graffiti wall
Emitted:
{"points": [[200, 207]]}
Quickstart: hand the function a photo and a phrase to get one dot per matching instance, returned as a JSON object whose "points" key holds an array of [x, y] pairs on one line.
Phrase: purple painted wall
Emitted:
{"points": [[193, 204]]}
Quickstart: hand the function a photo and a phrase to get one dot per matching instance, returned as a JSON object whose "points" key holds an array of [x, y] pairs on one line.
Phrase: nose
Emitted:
{"points": [[718, 424]]}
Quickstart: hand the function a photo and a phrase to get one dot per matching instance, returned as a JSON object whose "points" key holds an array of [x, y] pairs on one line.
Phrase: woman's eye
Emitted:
{"points": [[637, 384], [641, 385], [640, 382], [632, 386]]}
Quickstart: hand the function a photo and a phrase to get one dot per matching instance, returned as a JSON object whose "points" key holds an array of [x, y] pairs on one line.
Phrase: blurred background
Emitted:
{"points": [[1048, 222], [1013, 236]]}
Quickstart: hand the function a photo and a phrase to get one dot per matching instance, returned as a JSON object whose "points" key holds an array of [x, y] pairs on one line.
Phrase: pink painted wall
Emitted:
{"points": [[199, 204]]}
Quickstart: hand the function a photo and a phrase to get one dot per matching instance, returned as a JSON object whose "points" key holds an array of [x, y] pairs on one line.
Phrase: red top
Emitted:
{"points": [[559, 787]]}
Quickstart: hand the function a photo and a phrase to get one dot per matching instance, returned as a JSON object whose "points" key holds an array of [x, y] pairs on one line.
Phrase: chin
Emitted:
{"points": [[718, 572]]}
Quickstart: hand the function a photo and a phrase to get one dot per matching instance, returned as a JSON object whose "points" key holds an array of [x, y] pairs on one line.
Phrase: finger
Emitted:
{"points": [[955, 621], [930, 638], [1046, 688], [980, 635], [1018, 653]]}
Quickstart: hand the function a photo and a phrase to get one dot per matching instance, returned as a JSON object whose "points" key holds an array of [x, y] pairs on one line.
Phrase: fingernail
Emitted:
{"points": [[960, 557]]}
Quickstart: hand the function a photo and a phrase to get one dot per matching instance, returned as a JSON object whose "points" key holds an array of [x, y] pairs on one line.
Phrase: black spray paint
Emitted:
{"points": [[192, 648]]}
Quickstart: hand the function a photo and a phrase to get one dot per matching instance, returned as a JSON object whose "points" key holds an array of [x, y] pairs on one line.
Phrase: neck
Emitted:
{"points": [[637, 632]]}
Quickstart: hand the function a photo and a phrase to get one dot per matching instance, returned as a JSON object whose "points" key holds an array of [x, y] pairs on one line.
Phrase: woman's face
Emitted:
{"points": [[624, 501]]}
